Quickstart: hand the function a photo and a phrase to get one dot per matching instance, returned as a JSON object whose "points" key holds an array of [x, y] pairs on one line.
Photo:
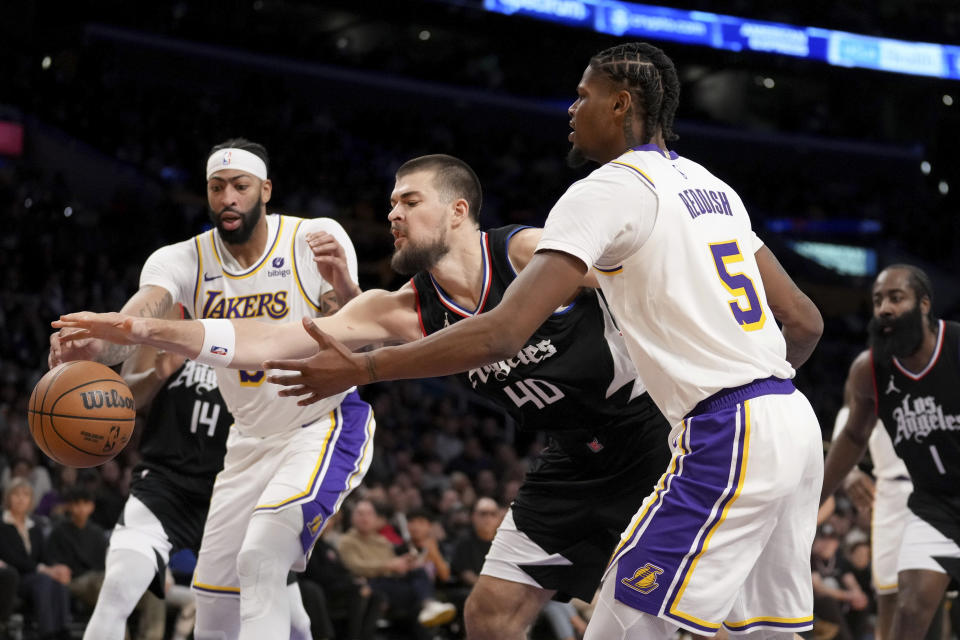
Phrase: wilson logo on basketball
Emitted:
{"points": [[109, 399]]}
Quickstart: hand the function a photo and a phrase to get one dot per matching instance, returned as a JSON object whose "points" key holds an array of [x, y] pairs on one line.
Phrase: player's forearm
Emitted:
{"points": [[802, 333], [255, 341], [844, 453], [463, 346], [111, 354]]}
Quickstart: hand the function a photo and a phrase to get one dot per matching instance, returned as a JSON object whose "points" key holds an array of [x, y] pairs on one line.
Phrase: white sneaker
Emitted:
{"points": [[436, 613]]}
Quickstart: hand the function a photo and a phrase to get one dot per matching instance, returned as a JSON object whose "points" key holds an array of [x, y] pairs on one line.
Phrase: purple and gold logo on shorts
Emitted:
{"points": [[644, 579]]}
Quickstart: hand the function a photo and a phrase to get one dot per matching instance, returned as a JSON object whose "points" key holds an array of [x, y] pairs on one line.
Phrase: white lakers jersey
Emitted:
{"points": [[282, 286], [674, 251], [887, 465]]}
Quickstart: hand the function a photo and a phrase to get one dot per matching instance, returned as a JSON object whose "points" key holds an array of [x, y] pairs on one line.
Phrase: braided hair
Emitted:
{"points": [[650, 77]]}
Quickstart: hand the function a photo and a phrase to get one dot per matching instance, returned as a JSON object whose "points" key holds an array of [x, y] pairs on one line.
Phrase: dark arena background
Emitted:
{"points": [[843, 149]]}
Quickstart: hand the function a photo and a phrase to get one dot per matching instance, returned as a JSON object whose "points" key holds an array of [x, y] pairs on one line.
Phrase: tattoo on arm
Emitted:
{"points": [[116, 353], [329, 303]]}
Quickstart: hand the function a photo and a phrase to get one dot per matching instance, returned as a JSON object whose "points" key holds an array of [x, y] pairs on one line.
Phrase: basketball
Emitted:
{"points": [[81, 414]]}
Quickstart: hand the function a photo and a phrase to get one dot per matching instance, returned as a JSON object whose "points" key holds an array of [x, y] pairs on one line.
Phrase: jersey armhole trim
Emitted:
{"points": [[200, 271], [876, 394], [506, 247], [296, 271], [416, 296]]}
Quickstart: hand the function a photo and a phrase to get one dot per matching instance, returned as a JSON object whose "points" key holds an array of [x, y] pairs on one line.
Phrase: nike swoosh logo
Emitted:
{"points": [[207, 278]]}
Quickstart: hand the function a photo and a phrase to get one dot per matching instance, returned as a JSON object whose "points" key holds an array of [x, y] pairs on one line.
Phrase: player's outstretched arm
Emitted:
{"points": [[148, 302], [850, 444], [802, 324], [550, 279], [372, 317]]}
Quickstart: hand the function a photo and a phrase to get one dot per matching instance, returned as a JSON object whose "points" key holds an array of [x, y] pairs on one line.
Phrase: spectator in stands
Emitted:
{"points": [[401, 579], [472, 547], [835, 588], [81, 545], [42, 585], [425, 536], [9, 584]]}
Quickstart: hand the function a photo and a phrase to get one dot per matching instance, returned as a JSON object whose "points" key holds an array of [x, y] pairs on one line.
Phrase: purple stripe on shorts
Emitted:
{"points": [[646, 573], [348, 453]]}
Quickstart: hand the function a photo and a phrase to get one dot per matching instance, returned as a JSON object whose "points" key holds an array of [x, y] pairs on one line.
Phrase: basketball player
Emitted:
{"points": [[909, 379], [885, 494], [726, 536], [572, 379], [287, 468]]}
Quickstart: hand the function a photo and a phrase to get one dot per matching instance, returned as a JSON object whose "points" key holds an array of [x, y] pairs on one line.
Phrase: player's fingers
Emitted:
{"points": [[299, 390], [311, 328], [286, 365], [285, 380], [308, 400], [73, 336]]}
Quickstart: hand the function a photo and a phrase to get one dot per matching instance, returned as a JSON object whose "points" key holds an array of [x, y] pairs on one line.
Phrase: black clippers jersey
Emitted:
{"points": [[567, 377], [186, 432], [922, 414]]}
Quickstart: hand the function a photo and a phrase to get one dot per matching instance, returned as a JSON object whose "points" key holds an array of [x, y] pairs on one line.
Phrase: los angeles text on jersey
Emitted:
{"points": [[919, 417], [203, 377], [530, 354], [249, 306]]}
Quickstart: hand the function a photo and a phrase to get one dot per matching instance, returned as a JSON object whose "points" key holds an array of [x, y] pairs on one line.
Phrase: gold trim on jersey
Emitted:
{"points": [[255, 267], [296, 271], [635, 168], [200, 275], [214, 588]]}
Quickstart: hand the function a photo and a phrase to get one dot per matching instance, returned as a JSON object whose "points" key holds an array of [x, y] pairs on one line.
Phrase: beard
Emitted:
{"points": [[903, 339], [248, 222], [576, 158], [414, 259]]}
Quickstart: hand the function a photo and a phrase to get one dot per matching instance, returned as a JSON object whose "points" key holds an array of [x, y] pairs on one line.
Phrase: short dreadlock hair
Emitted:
{"points": [[650, 77]]}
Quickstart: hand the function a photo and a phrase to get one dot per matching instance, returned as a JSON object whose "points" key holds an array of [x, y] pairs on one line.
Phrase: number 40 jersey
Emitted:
{"points": [[573, 374]]}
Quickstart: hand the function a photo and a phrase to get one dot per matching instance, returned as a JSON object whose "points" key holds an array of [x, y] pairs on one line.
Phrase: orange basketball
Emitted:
{"points": [[81, 413]]}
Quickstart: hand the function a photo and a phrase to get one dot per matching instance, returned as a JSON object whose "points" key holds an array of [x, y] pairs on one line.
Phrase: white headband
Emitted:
{"points": [[236, 159]]}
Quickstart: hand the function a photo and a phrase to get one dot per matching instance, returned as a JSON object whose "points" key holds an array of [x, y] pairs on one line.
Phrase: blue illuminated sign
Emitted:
{"points": [[718, 31]]}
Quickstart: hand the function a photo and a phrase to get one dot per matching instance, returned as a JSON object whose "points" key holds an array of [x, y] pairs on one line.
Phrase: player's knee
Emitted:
{"points": [[262, 580]]}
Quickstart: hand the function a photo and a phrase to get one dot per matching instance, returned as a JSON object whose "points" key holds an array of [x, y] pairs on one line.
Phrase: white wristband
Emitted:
{"points": [[219, 343]]}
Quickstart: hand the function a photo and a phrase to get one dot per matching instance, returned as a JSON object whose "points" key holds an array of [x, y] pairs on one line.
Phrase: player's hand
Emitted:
{"points": [[117, 328], [332, 264], [333, 369], [861, 489], [65, 347]]}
